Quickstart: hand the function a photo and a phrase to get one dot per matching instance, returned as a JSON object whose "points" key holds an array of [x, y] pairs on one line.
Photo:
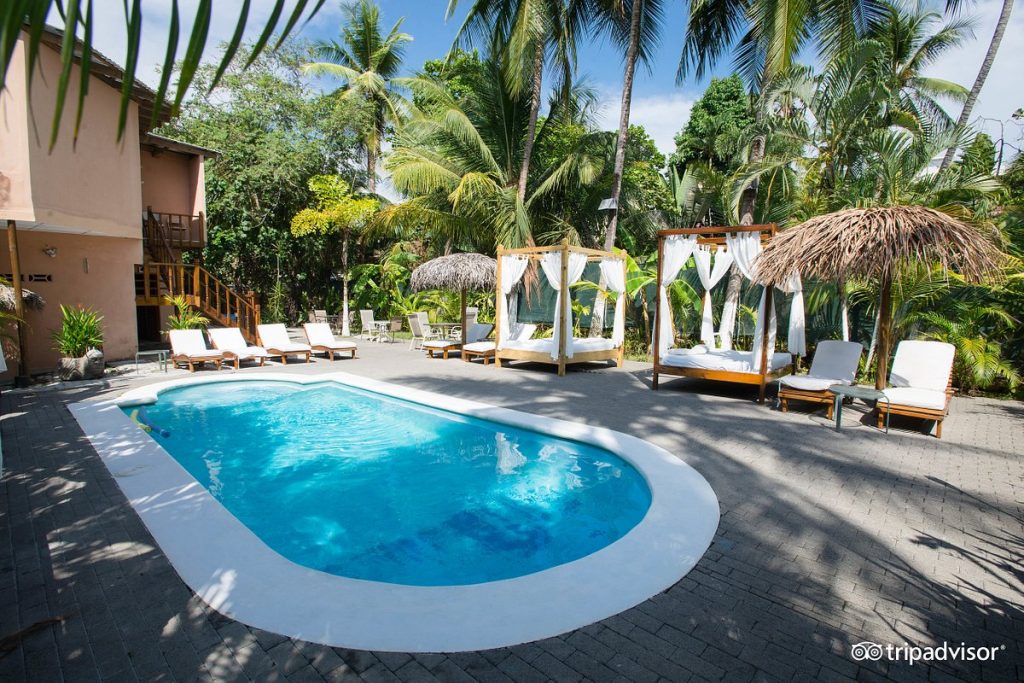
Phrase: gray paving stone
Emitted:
{"points": [[825, 540]]}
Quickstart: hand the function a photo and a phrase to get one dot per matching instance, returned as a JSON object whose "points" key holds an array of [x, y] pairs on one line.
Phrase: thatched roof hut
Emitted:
{"points": [[876, 244], [457, 272], [31, 300]]}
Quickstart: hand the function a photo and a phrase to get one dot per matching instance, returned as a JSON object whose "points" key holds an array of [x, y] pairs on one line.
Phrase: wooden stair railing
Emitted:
{"points": [[155, 282]]}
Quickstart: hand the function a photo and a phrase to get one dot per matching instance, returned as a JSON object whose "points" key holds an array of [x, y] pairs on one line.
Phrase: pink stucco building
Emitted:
{"points": [[95, 219]]}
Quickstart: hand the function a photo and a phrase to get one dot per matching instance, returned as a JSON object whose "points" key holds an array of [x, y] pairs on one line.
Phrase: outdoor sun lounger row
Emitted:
{"points": [[920, 379], [188, 347]]}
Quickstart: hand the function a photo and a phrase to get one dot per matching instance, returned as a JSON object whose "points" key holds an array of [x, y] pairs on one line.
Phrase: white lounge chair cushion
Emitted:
{"points": [[808, 383], [275, 336], [480, 347], [319, 334], [191, 343], [922, 365], [836, 360], [439, 344], [230, 339], [917, 398], [290, 347], [478, 332]]}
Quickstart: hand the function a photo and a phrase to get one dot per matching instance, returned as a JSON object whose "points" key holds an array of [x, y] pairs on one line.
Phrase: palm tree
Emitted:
{"points": [[986, 66], [521, 33], [908, 45], [368, 62], [458, 162]]}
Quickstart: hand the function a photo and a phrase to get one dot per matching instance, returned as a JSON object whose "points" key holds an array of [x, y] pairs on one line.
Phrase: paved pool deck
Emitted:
{"points": [[826, 540]]}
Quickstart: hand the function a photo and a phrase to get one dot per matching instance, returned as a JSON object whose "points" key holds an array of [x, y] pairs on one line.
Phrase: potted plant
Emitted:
{"points": [[80, 343], [185, 317]]}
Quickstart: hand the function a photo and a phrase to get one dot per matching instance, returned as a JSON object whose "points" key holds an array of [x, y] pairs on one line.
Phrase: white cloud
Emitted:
{"points": [[662, 116]]}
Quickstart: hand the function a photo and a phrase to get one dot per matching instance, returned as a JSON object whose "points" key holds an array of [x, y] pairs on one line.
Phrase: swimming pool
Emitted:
{"points": [[358, 484], [352, 512]]}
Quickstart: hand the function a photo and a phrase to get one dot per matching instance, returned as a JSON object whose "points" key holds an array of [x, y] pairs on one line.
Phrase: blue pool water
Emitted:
{"points": [[366, 486]]}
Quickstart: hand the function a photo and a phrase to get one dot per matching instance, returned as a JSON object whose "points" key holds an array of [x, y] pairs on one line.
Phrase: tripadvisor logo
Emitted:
{"points": [[873, 652]]}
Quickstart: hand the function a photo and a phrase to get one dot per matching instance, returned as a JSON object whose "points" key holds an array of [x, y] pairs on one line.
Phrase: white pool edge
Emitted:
{"points": [[233, 571]]}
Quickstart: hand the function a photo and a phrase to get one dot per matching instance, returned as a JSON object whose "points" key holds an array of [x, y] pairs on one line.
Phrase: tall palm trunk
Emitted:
{"points": [[531, 128], [979, 82], [345, 331], [597, 314], [371, 170]]}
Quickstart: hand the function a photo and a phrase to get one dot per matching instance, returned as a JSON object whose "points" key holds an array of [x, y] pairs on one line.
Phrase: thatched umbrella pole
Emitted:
{"points": [[876, 244], [884, 331]]}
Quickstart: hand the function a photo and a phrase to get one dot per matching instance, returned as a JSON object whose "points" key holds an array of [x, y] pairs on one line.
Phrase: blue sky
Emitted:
{"points": [[659, 104]]}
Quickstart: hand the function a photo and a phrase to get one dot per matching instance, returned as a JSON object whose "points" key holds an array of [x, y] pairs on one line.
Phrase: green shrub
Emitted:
{"points": [[81, 329]]}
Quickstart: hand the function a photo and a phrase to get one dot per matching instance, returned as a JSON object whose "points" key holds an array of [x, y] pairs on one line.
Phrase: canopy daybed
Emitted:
{"points": [[562, 266], [714, 358]]}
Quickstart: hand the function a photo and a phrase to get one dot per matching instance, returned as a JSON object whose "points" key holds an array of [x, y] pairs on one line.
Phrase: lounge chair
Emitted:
{"points": [[419, 325], [230, 342], [322, 340], [485, 349], [276, 341], [189, 348], [372, 329], [922, 382], [835, 362]]}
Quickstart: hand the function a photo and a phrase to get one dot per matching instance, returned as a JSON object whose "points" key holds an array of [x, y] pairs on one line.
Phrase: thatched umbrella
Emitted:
{"points": [[876, 244], [457, 272], [30, 299]]}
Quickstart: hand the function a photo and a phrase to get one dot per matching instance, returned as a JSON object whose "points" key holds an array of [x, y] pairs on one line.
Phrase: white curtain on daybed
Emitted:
{"points": [[675, 252], [745, 248], [551, 264], [709, 277], [513, 266], [615, 277]]}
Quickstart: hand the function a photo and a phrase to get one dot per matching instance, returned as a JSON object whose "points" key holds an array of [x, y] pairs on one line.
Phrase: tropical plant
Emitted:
{"points": [[78, 18], [368, 63], [185, 316], [712, 132], [81, 329], [336, 211]]}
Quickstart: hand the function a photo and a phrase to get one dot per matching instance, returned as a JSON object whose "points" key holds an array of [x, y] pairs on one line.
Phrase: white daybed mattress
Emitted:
{"points": [[549, 345], [731, 361]]}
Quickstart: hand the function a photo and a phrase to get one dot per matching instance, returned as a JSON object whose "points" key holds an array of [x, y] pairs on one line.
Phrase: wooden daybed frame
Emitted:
{"points": [[716, 235], [536, 253]]}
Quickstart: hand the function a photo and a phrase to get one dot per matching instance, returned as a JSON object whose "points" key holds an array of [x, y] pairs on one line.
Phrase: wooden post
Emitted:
{"points": [[22, 378], [564, 290], [769, 299], [884, 331], [656, 341], [464, 331], [497, 309], [622, 347]]}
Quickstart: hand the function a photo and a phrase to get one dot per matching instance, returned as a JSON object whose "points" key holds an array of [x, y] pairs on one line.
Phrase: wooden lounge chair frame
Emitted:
{"points": [[193, 361], [330, 351], [937, 416], [536, 253], [487, 356], [787, 394], [231, 356], [283, 355], [443, 350], [716, 235]]}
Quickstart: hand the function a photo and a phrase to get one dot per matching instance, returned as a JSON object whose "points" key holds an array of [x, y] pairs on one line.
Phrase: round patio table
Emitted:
{"points": [[856, 391]]}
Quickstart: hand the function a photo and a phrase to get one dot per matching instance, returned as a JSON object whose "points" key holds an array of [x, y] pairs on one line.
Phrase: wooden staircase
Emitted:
{"points": [[163, 275]]}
